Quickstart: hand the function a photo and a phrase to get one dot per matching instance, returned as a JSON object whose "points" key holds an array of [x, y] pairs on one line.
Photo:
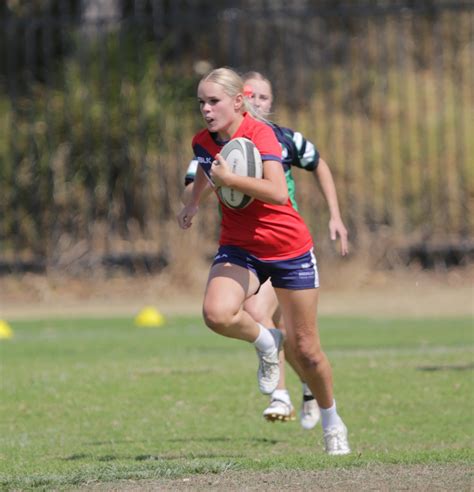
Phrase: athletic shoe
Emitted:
{"points": [[335, 440], [268, 373], [309, 415], [279, 410]]}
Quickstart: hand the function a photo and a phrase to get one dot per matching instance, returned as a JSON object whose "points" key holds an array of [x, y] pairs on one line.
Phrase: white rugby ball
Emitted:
{"points": [[243, 159]]}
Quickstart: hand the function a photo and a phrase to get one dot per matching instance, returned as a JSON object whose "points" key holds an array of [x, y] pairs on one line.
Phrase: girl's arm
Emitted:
{"points": [[189, 182], [271, 189], [336, 226], [188, 190], [190, 209]]}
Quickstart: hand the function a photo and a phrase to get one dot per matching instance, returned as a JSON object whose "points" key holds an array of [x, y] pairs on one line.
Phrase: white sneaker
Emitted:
{"points": [[279, 410], [268, 373], [335, 440], [309, 414]]}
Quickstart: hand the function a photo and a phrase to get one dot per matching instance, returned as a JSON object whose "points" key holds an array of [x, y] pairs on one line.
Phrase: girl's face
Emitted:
{"points": [[261, 95], [220, 111]]}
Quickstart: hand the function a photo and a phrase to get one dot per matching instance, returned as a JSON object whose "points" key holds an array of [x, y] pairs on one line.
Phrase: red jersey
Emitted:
{"points": [[269, 232]]}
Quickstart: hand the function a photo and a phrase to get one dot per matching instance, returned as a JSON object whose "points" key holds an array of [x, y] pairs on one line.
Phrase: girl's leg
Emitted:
{"points": [[227, 288], [299, 309], [309, 412], [263, 307], [263, 304]]}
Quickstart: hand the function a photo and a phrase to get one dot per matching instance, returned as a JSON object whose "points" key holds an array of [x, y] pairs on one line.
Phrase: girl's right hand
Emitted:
{"points": [[220, 171], [185, 217]]}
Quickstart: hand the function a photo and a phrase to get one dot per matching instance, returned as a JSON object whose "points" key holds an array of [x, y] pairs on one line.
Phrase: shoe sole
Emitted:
{"points": [[338, 453], [309, 426], [276, 417]]}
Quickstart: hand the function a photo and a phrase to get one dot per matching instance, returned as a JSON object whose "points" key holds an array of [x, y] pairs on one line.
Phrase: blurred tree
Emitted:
{"points": [[32, 37]]}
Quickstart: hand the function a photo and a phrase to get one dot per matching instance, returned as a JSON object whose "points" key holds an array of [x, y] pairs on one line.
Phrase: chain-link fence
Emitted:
{"points": [[98, 107]]}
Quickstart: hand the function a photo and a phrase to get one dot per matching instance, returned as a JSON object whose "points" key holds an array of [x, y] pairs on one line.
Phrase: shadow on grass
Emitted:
{"points": [[261, 440], [149, 457], [152, 457], [448, 367], [224, 439]]}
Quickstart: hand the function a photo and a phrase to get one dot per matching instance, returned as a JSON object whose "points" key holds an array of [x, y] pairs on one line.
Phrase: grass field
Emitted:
{"points": [[88, 400]]}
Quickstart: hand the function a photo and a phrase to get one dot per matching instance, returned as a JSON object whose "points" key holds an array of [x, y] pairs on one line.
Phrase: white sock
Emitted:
{"points": [[265, 342], [306, 390], [282, 395], [329, 417]]}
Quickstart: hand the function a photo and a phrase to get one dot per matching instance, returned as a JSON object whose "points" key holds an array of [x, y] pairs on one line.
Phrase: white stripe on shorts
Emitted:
{"points": [[315, 266]]}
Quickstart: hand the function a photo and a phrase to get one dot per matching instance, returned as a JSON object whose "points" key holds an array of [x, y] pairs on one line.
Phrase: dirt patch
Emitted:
{"points": [[348, 289], [376, 477]]}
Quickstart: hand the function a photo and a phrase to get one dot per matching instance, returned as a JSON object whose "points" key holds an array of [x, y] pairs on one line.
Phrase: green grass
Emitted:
{"points": [[102, 400]]}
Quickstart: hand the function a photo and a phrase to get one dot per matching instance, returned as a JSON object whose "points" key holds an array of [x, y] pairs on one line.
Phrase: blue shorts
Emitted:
{"points": [[293, 274]]}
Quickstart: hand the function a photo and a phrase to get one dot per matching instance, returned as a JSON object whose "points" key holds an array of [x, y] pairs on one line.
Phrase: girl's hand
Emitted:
{"points": [[220, 172], [337, 228], [185, 217]]}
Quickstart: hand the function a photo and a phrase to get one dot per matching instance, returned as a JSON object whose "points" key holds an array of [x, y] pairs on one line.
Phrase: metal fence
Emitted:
{"points": [[97, 110]]}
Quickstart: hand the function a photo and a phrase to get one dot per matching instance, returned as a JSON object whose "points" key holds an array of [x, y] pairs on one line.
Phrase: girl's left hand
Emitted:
{"points": [[220, 171]]}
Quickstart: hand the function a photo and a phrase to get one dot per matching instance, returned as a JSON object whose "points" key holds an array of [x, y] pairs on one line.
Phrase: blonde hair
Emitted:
{"points": [[233, 85], [227, 78]]}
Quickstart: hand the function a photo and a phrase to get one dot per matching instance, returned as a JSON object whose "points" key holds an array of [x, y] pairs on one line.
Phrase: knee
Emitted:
{"points": [[309, 357], [217, 318]]}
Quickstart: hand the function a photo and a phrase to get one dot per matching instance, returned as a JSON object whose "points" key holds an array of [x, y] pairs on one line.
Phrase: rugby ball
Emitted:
{"points": [[243, 159]]}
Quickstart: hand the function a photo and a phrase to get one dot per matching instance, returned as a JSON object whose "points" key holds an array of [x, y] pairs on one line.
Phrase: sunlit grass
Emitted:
{"points": [[103, 400]]}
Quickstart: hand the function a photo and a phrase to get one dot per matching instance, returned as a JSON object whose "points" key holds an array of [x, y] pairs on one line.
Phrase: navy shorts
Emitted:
{"points": [[293, 274]]}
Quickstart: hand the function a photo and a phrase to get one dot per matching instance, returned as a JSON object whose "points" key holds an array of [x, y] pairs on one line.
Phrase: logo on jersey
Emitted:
{"points": [[205, 163], [205, 160], [219, 256]]}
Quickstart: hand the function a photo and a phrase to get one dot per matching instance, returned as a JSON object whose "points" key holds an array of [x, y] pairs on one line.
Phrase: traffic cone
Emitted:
{"points": [[149, 317], [5, 331]]}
